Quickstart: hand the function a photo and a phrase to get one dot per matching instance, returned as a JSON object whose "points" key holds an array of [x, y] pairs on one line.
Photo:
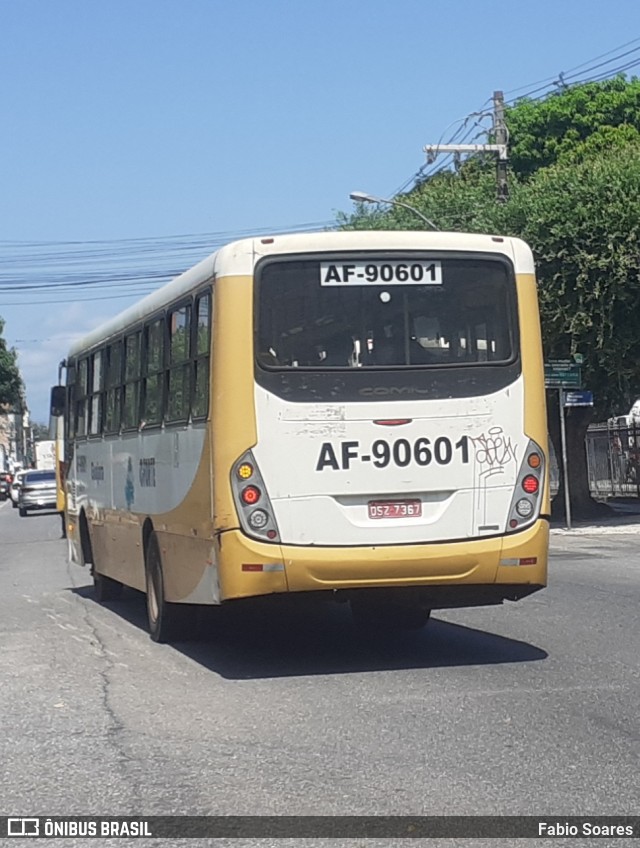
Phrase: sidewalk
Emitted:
{"points": [[624, 517]]}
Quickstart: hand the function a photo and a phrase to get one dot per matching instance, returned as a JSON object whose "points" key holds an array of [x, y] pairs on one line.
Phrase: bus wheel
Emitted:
{"points": [[167, 622], [104, 588], [382, 614]]}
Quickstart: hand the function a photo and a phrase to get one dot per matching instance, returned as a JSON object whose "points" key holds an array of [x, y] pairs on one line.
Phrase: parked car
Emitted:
{"points": [[5, 485], [37, 491], [15, 487]]}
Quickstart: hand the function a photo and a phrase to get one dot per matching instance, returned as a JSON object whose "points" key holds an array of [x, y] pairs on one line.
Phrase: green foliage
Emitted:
{"points": [[10, 380], [454, 202], [583, 224], [542, 133], [603, 140]]}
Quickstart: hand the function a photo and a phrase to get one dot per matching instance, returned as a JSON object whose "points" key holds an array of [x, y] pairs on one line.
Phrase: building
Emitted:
{"points": [[15, 438]]}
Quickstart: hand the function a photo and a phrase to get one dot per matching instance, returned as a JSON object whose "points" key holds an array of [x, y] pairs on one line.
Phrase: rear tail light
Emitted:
{"points": [[524, 507], [534, 460], [244, 471], [525, 510], [253, 506], [258, 519], [250, 495]]}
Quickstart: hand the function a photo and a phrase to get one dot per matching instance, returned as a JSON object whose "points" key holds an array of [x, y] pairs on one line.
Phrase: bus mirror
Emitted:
{"points": [[58, 401]]}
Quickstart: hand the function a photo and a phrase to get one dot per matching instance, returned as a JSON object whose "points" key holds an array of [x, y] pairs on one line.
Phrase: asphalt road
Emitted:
{"points": [[529, 708]]}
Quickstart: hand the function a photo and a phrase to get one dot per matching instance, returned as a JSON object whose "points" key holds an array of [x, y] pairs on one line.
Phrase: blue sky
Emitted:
{"points": [[147, 119]]}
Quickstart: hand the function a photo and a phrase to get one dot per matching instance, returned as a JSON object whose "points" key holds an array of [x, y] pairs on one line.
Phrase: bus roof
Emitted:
{"points": [[239, 259]]}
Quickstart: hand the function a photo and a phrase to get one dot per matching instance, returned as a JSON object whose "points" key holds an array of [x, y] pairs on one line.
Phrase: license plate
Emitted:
{"points": [[395, 509]]}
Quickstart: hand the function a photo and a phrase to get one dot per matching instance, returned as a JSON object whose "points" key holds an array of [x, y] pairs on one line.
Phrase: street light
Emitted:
{"points": [[362, 197]]}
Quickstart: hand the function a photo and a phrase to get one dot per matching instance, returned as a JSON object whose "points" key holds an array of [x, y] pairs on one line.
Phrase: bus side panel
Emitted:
{"points": [[181, 515], [116, 544], [535, 410], [233, 408], [185, 535], [189, 567]]}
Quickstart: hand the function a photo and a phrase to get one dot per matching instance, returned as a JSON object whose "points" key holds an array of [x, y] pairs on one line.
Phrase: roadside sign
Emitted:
{"points": [[579, 398], [562, 374]]}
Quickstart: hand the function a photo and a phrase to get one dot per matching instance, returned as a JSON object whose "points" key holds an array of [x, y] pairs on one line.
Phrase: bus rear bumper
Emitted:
{"points": [[451, 574]]}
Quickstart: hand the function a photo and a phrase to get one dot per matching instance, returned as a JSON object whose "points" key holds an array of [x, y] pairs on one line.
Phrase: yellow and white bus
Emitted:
{"points": [[360, 414]]}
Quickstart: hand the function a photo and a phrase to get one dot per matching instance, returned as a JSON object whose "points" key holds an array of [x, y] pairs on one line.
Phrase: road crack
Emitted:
{"points": [[105, 668]]}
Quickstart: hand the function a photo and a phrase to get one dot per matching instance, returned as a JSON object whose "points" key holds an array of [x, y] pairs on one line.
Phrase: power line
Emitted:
{"points": [[60, 300], [567, 80], [96, 266], [577, 67], [546, 86], [221, 235]]}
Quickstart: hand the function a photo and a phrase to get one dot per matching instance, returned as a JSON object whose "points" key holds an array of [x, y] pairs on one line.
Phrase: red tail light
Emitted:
{"points": [[250, 495]]}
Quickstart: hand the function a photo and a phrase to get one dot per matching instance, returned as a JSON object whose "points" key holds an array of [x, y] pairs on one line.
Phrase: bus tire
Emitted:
{"points": [[104, 588], [384, 615], [167, 622]]}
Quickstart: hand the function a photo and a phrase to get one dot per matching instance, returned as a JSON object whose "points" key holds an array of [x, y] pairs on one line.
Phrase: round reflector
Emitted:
{"points": [[530, 484]]}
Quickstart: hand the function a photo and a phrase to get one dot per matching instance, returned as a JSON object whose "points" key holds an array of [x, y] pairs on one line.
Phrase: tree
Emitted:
{"points": [[11, 386], [575, 197], [545, 132], [583, 223]]}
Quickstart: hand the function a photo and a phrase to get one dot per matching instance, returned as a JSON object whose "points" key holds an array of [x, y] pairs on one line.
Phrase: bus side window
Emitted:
{"points": [[97, 385], [201, 348], [70, 412], [153, 373], [131, 395], [114, 388], [179, 390], [82, 397]]}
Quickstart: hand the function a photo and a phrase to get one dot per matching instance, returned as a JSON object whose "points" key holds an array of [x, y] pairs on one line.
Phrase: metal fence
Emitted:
{"points": [[613, 461]]}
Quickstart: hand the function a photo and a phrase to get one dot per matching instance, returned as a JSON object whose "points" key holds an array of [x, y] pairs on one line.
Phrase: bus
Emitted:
{"points": [[359, 415]]}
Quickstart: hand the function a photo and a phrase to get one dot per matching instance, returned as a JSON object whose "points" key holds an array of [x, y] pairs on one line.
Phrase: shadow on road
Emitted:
{"points": [[267, 638]]}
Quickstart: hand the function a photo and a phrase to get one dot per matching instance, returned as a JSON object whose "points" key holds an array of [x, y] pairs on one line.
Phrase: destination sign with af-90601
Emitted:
{"points": [[378, 272], [562, 374]]}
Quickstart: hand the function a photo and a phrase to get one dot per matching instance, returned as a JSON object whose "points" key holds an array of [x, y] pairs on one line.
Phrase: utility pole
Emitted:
{"points": [[501, 137], [500, 134]]}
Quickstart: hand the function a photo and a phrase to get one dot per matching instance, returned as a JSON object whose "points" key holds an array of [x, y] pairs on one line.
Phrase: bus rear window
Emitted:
{"points": [[381, 313]]}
